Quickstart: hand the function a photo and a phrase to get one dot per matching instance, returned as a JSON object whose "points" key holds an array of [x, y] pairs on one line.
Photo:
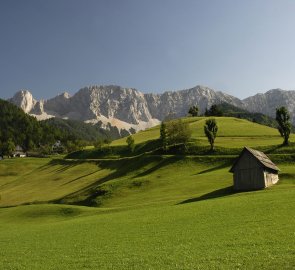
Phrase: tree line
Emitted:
{"points": [[20, 129]]}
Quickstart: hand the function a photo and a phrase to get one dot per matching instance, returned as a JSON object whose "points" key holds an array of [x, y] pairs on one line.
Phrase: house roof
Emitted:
{"points": [[260, 156], [18, 148]]}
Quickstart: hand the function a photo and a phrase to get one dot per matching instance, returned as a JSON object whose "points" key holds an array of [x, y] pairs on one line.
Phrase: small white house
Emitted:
{"points": [[57, 146], [19, 152]]}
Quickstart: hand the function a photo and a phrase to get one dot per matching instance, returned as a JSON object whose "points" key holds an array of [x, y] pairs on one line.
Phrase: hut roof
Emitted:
{"points": [[260, 156]]}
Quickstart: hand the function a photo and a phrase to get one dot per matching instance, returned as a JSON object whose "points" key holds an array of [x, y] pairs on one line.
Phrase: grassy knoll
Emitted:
{"points": [[233, 135], [232, 132], [253, 230]]}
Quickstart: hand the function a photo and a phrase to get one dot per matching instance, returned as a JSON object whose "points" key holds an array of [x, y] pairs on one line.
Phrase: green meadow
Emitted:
{"points": [[232, 132], [149, 211]]}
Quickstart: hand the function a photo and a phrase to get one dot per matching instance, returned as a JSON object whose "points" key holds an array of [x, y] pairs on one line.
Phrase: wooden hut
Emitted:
{"points": [[254, 170]]}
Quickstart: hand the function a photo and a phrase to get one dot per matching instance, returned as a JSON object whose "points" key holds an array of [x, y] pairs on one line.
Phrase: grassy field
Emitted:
{"points": [[153, 211], [123, 182], [252, 230], [232, 132]]}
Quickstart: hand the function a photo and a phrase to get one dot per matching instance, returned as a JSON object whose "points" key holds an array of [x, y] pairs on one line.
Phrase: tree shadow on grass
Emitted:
{"points": [[221, 166], [118, 169], [159, 165], [62, 163], [212, 195], [80, 177], [273, 148]]}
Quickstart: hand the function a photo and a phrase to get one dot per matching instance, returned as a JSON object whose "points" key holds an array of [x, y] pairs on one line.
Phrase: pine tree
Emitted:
{"points": [[193, 111]]}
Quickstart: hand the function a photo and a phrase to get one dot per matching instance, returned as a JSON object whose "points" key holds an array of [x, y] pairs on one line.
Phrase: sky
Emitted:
{"points": [[238, 47]]}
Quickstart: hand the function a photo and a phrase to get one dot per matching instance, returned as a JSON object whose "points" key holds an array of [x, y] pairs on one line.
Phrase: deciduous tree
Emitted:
{"points": [[284, 125], [210, 130], [178, 132]]}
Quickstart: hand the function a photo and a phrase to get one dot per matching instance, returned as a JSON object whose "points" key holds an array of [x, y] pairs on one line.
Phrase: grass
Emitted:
{"points": [[36, 180], [123, 182], [232, 132], [155, 211], [144, 179], [233, 135], [243, 231]]}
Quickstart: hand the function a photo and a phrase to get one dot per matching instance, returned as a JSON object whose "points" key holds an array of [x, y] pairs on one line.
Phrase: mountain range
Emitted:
{"points": [[130, 109]]}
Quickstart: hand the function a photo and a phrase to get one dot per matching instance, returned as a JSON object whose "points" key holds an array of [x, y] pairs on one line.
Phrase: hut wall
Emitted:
{"points": [[248, 173], [270, 178]]}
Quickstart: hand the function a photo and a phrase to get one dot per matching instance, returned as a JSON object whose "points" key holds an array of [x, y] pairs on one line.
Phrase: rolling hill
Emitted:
{"points": [[111, 177], [152, 211], [228, 127]]}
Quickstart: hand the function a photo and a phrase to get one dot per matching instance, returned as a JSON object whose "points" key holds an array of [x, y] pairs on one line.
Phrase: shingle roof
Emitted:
{"points": [[260, 156]]}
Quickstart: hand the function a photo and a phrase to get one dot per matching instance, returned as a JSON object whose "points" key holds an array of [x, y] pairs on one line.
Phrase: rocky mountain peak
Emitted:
{"points": [[268, 102], [65, 95], [129, 108], [24, 99]]}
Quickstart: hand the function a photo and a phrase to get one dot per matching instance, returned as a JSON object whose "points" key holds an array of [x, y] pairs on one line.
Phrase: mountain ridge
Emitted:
{"points": [[129, 108]]}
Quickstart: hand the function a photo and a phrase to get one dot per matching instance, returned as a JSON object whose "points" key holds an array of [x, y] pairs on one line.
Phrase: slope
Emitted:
{"points": [[232, 132], [142, 179], [85, 131], [252, 230], [157, 212]]}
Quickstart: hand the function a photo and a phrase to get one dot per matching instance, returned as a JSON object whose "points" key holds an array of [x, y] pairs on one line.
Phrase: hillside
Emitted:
{"points": [[86, 131], [233, 111], [155, 212], [125, 182], [107, 181], [232, 133], [37, 137], [18, 128], [152, 211], [243, 231]]}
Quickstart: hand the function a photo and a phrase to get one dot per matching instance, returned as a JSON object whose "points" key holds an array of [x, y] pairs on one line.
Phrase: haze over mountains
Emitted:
{"points": [[129, 108]]}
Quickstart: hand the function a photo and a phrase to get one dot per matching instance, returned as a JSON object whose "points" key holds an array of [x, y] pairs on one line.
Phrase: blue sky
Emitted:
{"points": [[239, 47]]}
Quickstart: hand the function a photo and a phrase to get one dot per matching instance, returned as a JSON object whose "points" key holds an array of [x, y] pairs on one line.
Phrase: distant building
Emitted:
{"points": [[57, 147], [254, 170], [19, 152]]}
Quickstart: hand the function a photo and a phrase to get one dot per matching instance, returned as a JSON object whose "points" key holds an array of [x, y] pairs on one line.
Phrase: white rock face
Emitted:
{"points": [[179, 102], [128, 108], [125, 108], [24, 100], [268, 102]]}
